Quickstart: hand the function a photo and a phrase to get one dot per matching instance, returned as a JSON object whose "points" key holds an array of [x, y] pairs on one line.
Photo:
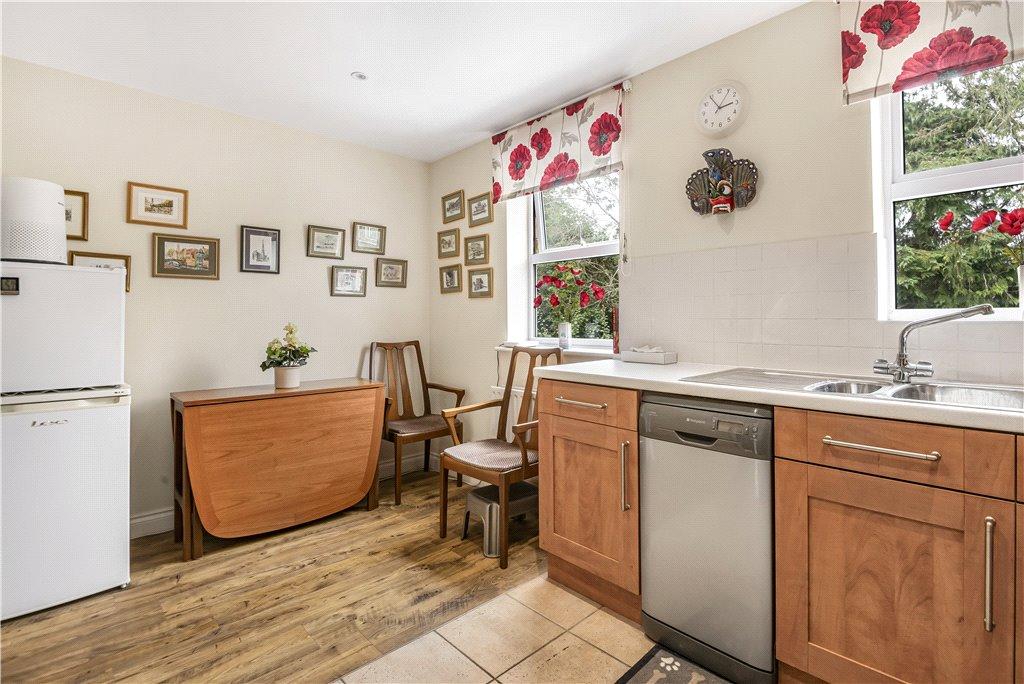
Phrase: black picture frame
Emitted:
{"points": [[246, 251]]}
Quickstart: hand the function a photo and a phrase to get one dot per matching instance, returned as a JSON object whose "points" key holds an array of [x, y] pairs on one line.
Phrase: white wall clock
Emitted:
{"points": [[722, 109]]}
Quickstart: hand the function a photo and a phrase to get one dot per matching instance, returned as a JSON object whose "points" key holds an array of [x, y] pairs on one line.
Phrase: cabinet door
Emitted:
{"points": [[1020, 593], [880, 581], [588, 498]]}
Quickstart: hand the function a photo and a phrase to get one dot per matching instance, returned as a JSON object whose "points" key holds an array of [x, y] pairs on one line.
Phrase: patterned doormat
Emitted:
{"points": [[662, 666]]}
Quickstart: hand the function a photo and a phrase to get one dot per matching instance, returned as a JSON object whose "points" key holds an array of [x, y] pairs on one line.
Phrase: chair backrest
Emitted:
{"points": [[396, 378], [538, 356]]}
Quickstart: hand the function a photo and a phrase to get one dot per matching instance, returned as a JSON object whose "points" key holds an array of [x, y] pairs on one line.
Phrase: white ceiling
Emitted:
{"points": [[442, 76]]}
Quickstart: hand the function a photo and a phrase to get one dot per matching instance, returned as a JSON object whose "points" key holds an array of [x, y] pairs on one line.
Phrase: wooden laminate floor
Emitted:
{"points": [[308, 604]]}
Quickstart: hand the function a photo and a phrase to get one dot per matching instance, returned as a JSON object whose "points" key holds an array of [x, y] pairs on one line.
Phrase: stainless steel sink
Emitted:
{"points": [[846, 387], [962, 395], [938, 393]]}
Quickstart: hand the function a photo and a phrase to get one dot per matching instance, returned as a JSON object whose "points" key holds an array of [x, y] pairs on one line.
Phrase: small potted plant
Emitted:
{"points": [[566, 292], [286, 358]]}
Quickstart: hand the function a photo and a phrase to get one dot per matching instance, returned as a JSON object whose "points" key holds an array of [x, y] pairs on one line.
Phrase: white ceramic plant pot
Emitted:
{"points": [[287, 377], [564, 334]]}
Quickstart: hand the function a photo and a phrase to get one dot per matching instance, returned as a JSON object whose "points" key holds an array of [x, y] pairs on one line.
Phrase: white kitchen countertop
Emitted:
{"points": [[672, 379]]}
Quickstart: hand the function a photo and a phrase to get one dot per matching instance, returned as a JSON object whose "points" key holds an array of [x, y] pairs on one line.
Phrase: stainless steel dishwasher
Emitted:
{"points": [[706, 549]]}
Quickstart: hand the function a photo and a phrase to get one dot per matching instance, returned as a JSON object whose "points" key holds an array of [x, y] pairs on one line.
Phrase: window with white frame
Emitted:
{"points": [[574, 259], [952, 192]]}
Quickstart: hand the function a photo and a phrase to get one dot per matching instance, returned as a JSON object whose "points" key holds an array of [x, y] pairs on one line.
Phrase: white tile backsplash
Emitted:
{"points": [[801, 305]]}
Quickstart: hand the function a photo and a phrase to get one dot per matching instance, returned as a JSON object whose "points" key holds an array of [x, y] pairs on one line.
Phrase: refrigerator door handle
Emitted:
{"points": [[74, 404]]}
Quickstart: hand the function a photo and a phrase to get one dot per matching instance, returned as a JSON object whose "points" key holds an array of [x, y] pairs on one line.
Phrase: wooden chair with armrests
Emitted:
{"points": [[402, 425], [498, 461]]}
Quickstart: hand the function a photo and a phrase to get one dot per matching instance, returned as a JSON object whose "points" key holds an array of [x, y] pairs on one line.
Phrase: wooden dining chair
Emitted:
{"points": [[498, 461], [402, 424]]}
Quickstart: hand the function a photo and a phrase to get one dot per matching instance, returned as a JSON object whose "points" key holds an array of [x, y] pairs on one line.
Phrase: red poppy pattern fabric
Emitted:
{"points": [[895, 45], [577, 141], [853, 52], [891, 22], [951, 53]]}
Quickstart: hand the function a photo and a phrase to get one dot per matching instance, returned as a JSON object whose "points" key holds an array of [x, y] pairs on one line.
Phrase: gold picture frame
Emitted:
{"points": [[448, 244], [368, 238], [82, 204], [146, 205], [99, 259], [453, 206], [392, 272], [477, 249], [480, 282], [321, 252], [473, 205], [176, 265], [353, 286], [454, 281]]}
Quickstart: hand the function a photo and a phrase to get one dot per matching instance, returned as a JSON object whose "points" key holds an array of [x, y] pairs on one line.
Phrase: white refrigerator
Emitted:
{"points": [[64, 434]]}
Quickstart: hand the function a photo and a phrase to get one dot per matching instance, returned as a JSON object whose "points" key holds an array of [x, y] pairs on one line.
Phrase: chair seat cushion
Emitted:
{"points": [[409, 426], [490, 454]]}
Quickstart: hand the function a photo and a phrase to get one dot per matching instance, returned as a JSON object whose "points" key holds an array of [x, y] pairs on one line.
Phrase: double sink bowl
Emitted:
{"points": [[937, 393], [979, 396]]}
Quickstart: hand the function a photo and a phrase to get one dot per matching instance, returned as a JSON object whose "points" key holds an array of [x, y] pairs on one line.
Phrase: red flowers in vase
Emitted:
{"points": [[567, 292], [1010, 224]]}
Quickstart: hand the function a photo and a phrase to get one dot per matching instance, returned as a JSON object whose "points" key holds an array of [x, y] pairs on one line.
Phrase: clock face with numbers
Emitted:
{"points": [[722, 109]]}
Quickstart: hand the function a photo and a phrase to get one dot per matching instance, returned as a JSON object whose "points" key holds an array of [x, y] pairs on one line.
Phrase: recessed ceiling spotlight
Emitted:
{"points": [[358, 75]]}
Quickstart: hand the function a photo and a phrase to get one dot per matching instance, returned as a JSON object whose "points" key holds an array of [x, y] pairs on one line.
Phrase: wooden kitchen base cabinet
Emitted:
{"points": [[879, 580], [589, 487]]}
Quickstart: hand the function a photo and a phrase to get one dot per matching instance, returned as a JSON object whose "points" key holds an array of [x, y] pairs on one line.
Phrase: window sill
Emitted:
{"points": [[589, 352]]}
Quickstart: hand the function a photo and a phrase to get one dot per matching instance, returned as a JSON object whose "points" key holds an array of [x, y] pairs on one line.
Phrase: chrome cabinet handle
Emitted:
{"points": [[622, 470], [581, 404], [990, 529], [933, 456]]}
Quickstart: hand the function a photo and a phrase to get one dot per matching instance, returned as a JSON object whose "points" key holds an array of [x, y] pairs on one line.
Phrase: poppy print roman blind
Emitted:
{"points": [[901, 44], [578, 141]]}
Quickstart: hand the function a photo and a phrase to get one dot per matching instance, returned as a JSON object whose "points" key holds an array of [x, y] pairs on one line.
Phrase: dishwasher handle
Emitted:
{"points": [[695, 439]]}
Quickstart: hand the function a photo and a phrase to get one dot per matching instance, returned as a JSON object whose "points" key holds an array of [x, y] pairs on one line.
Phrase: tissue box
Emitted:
{"points": [[647, 357]]}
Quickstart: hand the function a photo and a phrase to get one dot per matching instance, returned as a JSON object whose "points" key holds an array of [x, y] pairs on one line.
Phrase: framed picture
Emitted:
{"points": [[261, 250], [327, 243], [155, 205], [448, 243], [76, 215], [481, 282], [481, 210], [101, 260], [391, 272], [478, 250], [451, 278], [180, 257], [348, 281], [453, 206], [368, 238]]}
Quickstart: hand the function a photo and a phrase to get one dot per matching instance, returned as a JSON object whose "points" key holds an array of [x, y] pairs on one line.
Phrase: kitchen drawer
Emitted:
{"points": [[591, 403], [968, 460]]}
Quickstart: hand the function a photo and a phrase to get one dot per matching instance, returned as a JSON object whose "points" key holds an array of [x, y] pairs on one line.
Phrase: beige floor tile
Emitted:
{"points": [[499, 634], [428, 659], [614, 636], [567, 659], [553, 602]]}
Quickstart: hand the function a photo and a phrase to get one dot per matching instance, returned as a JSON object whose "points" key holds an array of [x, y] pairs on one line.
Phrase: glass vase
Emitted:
{"points": [[564, 334]]}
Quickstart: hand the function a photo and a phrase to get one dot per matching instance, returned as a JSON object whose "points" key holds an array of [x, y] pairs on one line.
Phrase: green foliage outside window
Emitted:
{"points": [[959, 121], [577, 215]]}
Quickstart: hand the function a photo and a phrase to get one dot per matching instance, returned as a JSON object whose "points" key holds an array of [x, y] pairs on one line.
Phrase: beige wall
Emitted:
{"points": [[813, 154], [463, 331], [95, 136], [789, 282]]}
